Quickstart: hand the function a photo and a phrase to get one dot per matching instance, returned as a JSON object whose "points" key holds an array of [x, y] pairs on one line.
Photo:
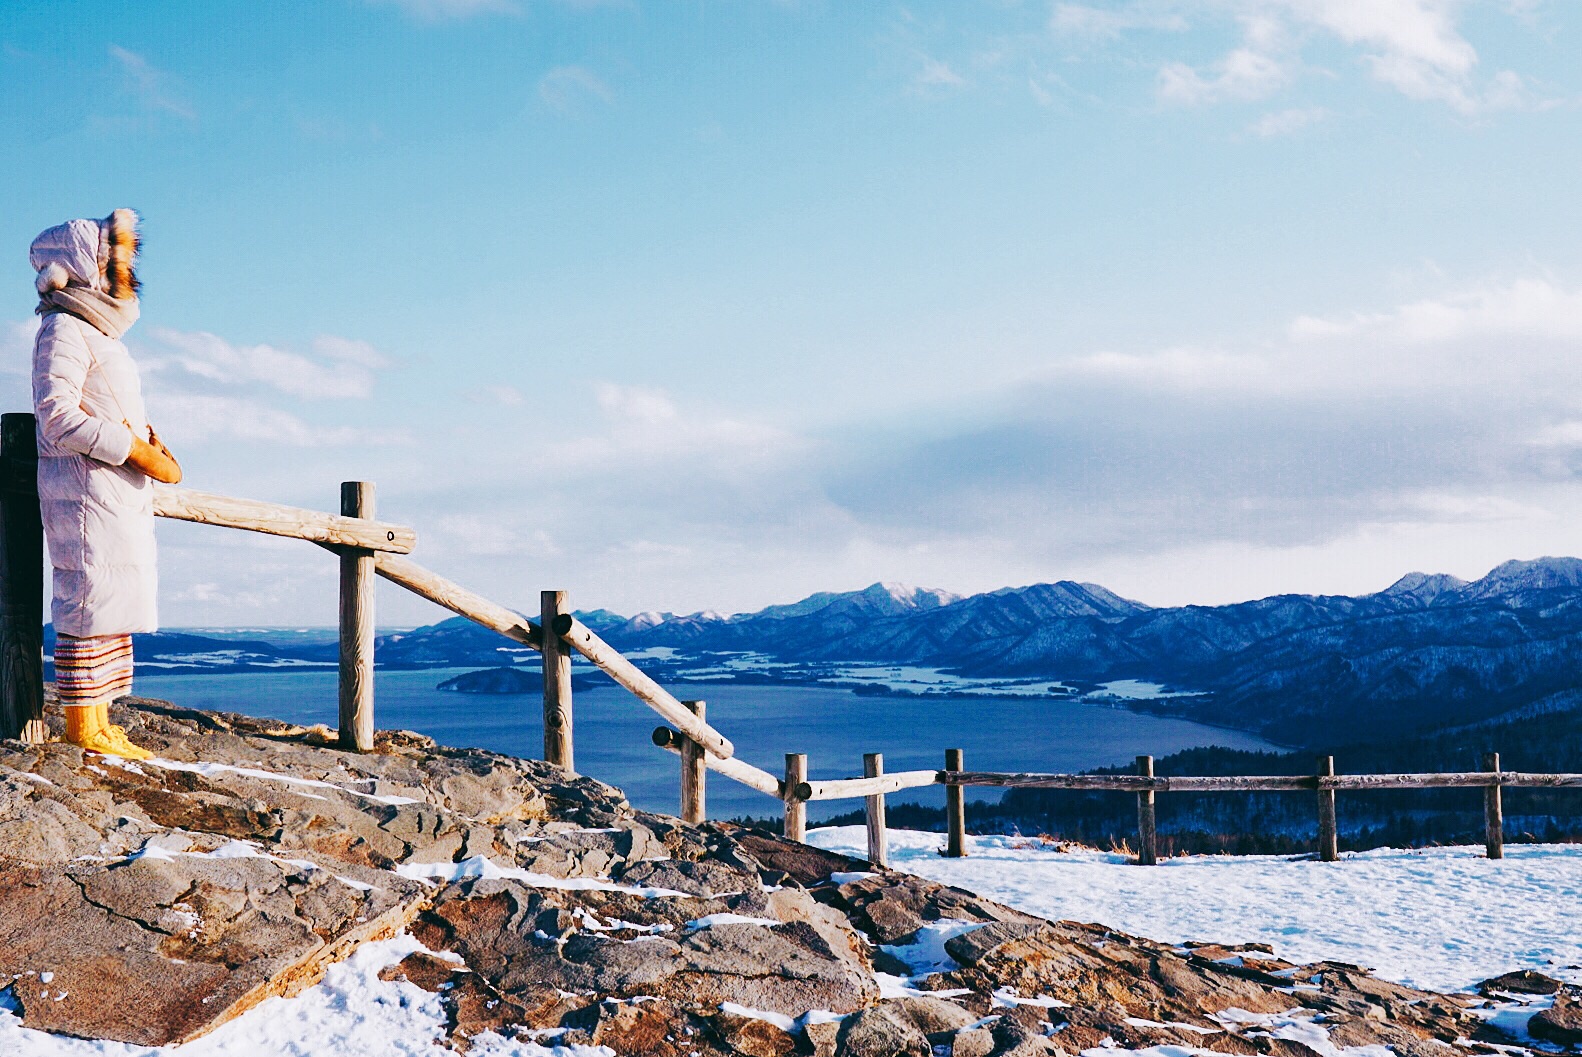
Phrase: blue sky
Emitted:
{"points": [[686, 305]]}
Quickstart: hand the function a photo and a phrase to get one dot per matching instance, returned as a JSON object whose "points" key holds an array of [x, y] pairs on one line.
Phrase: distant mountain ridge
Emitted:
{"points": [[1426, 652]]}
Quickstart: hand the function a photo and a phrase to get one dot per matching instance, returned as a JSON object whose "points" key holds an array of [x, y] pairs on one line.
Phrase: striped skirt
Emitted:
{"points": [[94, 670]]}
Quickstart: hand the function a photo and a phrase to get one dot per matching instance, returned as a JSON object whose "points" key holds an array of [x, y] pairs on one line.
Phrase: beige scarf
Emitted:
{"points": [[112, 316]]}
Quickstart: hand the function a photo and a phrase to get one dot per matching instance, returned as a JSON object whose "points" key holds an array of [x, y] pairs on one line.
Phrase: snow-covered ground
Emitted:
{"points": [[351, 1013], [1443, 919], [1439, 918]]}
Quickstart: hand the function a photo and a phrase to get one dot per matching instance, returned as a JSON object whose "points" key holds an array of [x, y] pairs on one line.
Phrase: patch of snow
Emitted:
{"points": [[926, 953], [711, 920], [844, 877], [791, 1025], [1006, 997], [350, 1013], [779, 1020], [1294, 1025], [483, 866], [651, 653], [588, 921], [1436, 918], [211, 769], [1136, 690]]}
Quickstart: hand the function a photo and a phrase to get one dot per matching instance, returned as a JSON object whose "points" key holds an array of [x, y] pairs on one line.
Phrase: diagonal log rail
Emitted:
{"points": [[656, 697], [733, 768], [456, 598], [274, 519]]}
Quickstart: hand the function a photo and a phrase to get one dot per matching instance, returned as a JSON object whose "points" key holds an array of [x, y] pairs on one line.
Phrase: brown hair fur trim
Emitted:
{"points": [[121, 234]]}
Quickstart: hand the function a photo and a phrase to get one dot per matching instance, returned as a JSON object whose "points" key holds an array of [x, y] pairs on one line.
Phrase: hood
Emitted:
{"points": [[98, 254]]}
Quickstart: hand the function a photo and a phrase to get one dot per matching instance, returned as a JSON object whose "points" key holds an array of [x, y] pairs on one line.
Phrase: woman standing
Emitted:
{"points": [[94, 468]]}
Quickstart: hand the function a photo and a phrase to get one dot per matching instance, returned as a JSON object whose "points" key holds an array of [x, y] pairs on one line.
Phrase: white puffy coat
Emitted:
{"points": [[98, 512]]}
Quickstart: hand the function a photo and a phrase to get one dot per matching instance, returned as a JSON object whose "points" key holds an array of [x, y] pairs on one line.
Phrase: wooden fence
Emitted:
{"points": [[367, 547]]}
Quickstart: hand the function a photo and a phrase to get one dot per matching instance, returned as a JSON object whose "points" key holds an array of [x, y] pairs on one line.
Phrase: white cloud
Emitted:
{"points": [[1285, 122], [1416, 47], [1522, 308], [185, 418], [154, 88], [1243, 74], [1181, 366], [486, 536], [644, 424], [336, 369], [936, 73], [567, 89]]}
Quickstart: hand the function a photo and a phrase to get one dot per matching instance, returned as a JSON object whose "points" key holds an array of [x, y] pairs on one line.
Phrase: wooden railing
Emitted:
{"points": [[368, 547]]}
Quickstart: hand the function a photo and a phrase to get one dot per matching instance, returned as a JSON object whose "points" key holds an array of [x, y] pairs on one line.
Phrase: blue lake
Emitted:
{"points": [[834, 727]]}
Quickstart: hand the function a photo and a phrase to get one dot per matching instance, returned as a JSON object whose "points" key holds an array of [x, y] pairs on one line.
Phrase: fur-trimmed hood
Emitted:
{"points": [[98, 254]]}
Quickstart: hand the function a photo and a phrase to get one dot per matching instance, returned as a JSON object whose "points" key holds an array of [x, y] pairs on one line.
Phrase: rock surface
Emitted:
{"points": [[250, 854]]}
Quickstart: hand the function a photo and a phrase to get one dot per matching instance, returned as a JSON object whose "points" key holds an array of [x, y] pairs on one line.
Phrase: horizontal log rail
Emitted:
{"points": [[731, 767], [1273, 783], [274, 519], [850, 788], [610, 660]]}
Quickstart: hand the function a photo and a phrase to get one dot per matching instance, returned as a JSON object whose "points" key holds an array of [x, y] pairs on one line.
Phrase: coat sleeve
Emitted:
{"points": [[61, 361]]}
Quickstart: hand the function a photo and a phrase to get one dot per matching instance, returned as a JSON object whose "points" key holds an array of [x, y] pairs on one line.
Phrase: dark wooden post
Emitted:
{"points": [[357, 627], [955, 810], [21, 583], [694, 769], [1147, 841], [557, 683], [1328, 836], [796, 809], [1493, 811], [878, 847]]}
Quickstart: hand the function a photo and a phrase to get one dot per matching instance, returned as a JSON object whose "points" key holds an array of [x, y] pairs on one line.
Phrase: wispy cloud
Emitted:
{"points": [[186, 417], [1286, 122], [1243, 74], [1413, 46], [569, 89], [934, 74], [154, 89], [336, 368]]}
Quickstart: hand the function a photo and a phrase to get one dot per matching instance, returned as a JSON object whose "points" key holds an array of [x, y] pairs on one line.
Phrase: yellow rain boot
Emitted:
{"points": [[88, 727], [124, 746]]}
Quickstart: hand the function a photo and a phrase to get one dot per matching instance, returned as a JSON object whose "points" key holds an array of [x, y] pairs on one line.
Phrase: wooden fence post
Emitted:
{"points": [[1493, 811], [878, 847], [1147, 841], [796, 809], [21, 583], [1328, 835], [557, 683], [955, 813], [694, 768], [357, 627]]}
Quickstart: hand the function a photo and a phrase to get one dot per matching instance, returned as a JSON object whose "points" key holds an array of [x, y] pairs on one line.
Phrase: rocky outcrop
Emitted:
{"points": [[148, 903]]}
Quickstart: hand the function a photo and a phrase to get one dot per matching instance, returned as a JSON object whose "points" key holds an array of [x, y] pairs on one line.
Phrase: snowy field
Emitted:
{"points": [[1439, 918], [1443, 919]]}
